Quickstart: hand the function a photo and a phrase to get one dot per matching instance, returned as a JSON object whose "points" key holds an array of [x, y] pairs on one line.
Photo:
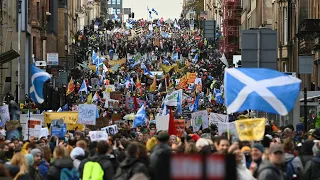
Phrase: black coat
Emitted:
{"points": [[106, 163], [160, 161], [57, 165], [134, 164]]}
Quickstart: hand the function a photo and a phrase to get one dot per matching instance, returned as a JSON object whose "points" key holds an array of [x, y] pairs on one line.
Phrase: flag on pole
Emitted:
{"points": [[260, 89], [224, 60], [154, 11], [70, 87], [171, 128], [140, 117], [84, 87], [38, 78]]}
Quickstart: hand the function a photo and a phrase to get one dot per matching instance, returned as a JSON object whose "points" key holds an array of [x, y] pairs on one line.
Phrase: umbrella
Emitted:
{"points": [[129, 116]]}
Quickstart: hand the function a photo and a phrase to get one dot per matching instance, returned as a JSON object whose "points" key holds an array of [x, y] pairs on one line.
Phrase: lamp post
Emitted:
{"points": [[19, 46]]}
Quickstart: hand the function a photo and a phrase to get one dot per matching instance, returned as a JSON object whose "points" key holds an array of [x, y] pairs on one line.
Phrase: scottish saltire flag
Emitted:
{"points": [[94, 57], [154, 11], [159, 23], [175, 56], [166, 62], [179, 106], [140, 117], [65, 107], [196, 104], [165, 35], [115, 17], [176, 25], [224, 60], [147, 72], [149, 35], [150, 12], [218, 96], [129, 26], [98, 64], [195, 59], [38, 78], [83, 87], [260, 89]]}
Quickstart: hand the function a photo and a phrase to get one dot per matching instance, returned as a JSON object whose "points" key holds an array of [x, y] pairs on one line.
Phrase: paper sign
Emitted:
{"points": [[225, 127], [172, 98], [162, 123], [44, 132], [251, 129], [199, 119], [98, 136], [180, 125], [216, 118], [4, 114], [130, 104], [111, 130], [70, 118], [32, 128], [87, 114]]}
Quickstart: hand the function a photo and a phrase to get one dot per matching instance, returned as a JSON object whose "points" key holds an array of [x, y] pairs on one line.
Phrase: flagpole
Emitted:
{"points": [[28, 123]]}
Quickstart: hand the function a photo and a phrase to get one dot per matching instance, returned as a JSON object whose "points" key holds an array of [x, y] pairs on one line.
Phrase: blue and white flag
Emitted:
{"points": [[179, 106], [149, 35], [154, 11], [115, 17], [158, 23], [195, 59], [196, 104], [260, 89], [175, 56], [128, 25], [218, 96], [84, 87], [38, 78], [150, 12], [176, 25], [95, 58], [140, 117], [164, 35], [147, 72]]}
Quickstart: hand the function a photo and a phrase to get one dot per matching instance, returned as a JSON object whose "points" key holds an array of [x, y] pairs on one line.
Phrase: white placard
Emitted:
{"points": [[34, 129], [98, 136], [4, 114], [225, 127], [44, 132], [216, 118], [162, 123], [52, 59], [199, 118], [87, 114], [111, 130]]}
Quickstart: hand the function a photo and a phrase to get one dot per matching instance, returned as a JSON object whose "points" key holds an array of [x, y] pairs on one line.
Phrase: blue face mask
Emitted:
{"points": [[66, 139]]}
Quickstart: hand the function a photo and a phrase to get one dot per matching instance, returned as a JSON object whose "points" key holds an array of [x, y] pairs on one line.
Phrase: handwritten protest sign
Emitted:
{"points": [[172, 98], [251, 129], [227, 127], [98, 136], [32, 128], [87, 114], [162, 122], [111, 130], [4, 114], [68, 117], [198, 119], [216, 118], [130, 104]]}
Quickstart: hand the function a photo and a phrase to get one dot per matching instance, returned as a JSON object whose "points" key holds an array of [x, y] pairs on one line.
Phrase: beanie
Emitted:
{"points": [[258, 146], [76, 152], [151, 144], [34, 152], [30, 159]]}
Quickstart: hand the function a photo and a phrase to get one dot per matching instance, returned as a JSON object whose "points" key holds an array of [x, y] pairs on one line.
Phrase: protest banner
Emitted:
{"points": [[117, 62], [251, 129], [198, 119], [98, 136], [162, 123], [31, 128], [4, 114], [58, 130], [70, 118], [227, 127], [25, 117], [172, 98], [216, 118], [191, 77], [180, 125], [87, 114], [111, 130], [44, 132]]}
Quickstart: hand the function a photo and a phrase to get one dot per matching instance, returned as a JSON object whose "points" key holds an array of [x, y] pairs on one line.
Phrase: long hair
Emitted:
{"points": [[20, 160]]}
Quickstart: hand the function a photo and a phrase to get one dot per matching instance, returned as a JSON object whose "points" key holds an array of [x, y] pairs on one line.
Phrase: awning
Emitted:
{"points": [[8, 56], [310, 95]]}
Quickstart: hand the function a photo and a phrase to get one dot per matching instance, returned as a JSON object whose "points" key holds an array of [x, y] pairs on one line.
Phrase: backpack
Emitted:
{"points": [[37, 175], [315, 171], [290, 171], [69, 174], [92, 171], [124, 174]]}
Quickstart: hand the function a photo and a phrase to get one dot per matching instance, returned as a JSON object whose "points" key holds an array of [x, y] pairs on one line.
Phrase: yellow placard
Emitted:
{"points": [[68, 117], [115, 62], [251, 129], [191, 77]]}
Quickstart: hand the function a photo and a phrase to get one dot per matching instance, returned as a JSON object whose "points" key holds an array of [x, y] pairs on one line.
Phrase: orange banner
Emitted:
{"points": [[180, 125], [191, 77]]}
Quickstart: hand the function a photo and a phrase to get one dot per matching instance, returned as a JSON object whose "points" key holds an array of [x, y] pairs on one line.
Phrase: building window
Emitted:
{"points": [[114, 1], [118, 11], [113, 11], [38, 10], [34, 44], [118, 1], [285, 25], [109, 1]]}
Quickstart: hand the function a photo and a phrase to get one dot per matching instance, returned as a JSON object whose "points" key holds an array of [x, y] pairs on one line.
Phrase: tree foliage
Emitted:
{"points": [[196, 5]]}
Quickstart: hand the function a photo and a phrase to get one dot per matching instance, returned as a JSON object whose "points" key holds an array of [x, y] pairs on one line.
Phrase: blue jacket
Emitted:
{"points": [[43, 168]]}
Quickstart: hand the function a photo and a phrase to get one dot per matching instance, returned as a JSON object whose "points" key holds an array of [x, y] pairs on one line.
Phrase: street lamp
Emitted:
{"points": [[19, 44]]}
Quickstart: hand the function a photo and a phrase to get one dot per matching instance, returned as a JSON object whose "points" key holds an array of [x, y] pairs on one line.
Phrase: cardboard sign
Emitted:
{"points": [[87, 114], [251, 129], [70, 118], [180, 124], [130, 104], [111, 130], [98, 136]]}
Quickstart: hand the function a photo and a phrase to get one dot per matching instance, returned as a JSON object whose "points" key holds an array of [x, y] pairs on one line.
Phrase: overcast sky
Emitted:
{"points": [[166, 8]]}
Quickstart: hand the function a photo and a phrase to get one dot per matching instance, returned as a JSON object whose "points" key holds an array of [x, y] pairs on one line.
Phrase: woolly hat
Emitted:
{"points": [[245, 148], [76, 152], [34, 152], [30, 159], [258, 146]]}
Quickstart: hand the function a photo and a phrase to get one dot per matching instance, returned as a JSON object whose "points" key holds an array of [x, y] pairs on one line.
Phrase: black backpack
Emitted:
{"points": [[124, 174]]}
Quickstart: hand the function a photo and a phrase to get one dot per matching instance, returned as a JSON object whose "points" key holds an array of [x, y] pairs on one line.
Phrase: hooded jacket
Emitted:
{"points": [[312, 169], [57, 165], [296, 162], [159, 161], [269, 171], [105, 162], [137, 167]]}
